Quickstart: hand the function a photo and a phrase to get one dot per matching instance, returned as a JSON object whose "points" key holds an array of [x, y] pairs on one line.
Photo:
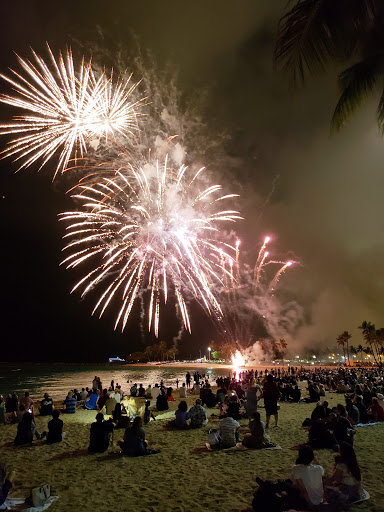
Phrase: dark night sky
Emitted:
{"points": [[326, 207]]}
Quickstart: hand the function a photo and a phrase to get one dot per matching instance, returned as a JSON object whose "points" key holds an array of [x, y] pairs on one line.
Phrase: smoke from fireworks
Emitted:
{"points": [[250, 306], [150, 229], [66, 108]]}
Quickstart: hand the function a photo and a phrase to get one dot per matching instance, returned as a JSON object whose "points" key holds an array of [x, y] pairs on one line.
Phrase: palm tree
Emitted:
{"points": [[374, 339], [341, 342], [313, 32], [360, 350]]}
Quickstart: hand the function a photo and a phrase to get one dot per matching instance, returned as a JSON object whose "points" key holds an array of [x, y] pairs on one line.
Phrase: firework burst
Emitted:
{"points": [[149, 230], [66, 108]]}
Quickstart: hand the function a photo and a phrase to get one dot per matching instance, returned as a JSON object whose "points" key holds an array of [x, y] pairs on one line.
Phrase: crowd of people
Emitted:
{"points": [[236, 398]]}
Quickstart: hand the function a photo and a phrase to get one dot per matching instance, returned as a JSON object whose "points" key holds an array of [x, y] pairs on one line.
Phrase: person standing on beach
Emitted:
{"points": [[271, 395], [188, 380]]}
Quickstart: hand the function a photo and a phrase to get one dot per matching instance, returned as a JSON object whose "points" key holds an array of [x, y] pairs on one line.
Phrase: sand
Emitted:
{"points": [[184, 476]]}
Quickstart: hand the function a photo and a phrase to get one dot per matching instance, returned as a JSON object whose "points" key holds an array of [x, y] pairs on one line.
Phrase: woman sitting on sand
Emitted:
{"points": [[347, 474], [308, 478], [55, 428], [134, 439], [26, 429], [162, 402], [376, 411], [181, 416], [257, 438]]}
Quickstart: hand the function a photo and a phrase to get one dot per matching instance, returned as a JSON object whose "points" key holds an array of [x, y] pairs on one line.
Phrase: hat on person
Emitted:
{"points": [[380, 396]]}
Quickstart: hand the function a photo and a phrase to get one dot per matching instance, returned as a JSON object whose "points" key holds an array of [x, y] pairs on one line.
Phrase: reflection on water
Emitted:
{"points": [[57, 380]]}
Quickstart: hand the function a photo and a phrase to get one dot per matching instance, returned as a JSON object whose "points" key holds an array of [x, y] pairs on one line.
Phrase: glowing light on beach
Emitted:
{"points": [[66, 107], [237, 361], [147, 231]]}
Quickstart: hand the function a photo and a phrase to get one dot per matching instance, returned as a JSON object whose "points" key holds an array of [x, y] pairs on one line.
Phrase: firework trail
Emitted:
{"points": [[247, 302], [151, 230], [66, 109]]}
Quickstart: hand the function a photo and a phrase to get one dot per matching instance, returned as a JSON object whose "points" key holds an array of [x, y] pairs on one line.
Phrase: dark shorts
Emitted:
{"points": [[270, 407]]}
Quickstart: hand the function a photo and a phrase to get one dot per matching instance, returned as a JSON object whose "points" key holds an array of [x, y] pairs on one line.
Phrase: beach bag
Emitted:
{"points": [[40, 495], [213, 437]]}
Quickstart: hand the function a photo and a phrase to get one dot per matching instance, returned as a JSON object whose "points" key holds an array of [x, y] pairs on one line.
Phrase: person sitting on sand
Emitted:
{"points": [[353, 412], [148, 392], [12, 404], [134, 390], [196, 389], [103, 398], [169, 395], [234, 408], [257, 438], [162, 402], [6, 481], [229, 432], [134, 444], [141, 391], [342, 428], [319, 435], [26, 429], [362, 409], [55, 428], [91, 404], [69, 404], [46, 406], [296, 394], [155, 391], [347, 474], [100, 434], [181, 416], [375, 410], [210, 399], [308, 478], [183, 391], [147, 413], [198, 415], [110, 405]]}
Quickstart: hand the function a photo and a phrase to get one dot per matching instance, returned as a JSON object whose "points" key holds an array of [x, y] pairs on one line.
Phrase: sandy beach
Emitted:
{"points": [[184, 476]]}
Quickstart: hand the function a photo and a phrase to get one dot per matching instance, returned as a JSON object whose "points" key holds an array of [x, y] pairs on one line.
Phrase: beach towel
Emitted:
{"points": [[19, 504], [367, 424]]}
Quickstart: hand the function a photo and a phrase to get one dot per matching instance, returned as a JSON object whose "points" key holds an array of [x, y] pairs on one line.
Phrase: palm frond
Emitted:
{"points": [[313, 31], [356, 83], [303, 39]]}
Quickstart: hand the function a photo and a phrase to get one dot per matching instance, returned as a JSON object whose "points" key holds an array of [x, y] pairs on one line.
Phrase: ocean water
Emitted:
{"points": [[57, 379]]}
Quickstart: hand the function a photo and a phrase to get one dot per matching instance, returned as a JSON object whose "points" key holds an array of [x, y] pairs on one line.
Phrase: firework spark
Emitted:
{"points": [[149, 230], [66, 109]]}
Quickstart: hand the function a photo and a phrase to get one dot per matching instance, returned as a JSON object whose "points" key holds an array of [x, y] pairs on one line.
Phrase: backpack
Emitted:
{"points": [[277, 496]]}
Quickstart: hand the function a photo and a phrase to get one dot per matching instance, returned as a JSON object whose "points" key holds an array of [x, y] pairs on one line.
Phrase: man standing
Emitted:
{"points": [[188, 380]]}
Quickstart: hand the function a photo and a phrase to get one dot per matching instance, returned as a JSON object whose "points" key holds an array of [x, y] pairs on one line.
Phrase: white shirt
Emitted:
{"points": [[312, 478], [155, 392], [183, 392]]}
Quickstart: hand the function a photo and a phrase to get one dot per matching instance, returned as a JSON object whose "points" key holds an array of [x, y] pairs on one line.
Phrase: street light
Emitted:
{"points": [[209, 353]]}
